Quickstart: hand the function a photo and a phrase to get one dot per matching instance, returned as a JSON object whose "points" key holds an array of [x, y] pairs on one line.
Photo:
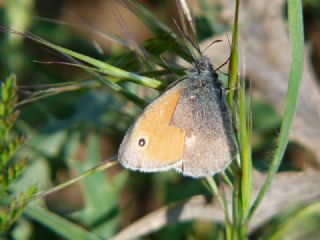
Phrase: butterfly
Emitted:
{"points": [[187, 128]]}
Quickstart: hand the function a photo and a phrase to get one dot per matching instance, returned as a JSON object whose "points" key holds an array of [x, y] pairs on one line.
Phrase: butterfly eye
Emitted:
{"points": [[142, 142]]}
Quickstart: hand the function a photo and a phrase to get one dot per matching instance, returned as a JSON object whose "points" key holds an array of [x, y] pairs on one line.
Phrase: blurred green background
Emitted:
{"points": [[75, 129]]}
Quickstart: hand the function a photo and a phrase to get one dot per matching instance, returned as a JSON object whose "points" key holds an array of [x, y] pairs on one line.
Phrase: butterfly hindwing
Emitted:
{"points": [[202, 112]]}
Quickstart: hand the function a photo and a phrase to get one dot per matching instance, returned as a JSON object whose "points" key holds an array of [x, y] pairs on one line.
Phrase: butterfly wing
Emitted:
{"points": [[152, 143], [202, 112]]}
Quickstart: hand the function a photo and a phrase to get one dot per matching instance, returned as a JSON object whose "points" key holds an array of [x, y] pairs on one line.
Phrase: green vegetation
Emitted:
{"points": [[62, 180]]}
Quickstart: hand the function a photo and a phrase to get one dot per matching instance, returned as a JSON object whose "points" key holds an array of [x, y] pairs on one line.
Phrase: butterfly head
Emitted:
{"points": [[203, 67]]}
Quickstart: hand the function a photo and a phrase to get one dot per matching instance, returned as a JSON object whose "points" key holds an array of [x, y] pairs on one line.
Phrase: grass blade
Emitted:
{"points": [[286, 222], [60, 225], [297, 47], [234, 59], [107, 69]]}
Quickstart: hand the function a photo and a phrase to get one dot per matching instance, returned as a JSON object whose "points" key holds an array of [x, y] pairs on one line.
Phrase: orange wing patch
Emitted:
{"points": [[165, 143]]}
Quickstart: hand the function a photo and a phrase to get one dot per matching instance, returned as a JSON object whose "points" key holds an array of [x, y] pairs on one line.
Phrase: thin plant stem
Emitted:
{"points": [[236, 207], [57, 90], [233, 64], [245, 154], [227, 180], [228, 223], [223, 202], [242, 188], [101, 167]]}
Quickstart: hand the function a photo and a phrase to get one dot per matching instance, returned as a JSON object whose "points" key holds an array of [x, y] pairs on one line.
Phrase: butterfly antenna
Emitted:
{"points": [[223, 64], [213, 42]]}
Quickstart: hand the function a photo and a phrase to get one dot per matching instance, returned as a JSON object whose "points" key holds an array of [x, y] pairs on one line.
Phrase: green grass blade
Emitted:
{"points": [[61, 226], [245, 185], [234, 59], [223, 202], [297, 47], [281, 226], [107, 69], [241, 198], [246, 164]]}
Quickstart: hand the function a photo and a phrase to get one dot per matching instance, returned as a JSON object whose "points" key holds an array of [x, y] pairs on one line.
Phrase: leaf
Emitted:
{"points": [[59, 225], [101, 197]]}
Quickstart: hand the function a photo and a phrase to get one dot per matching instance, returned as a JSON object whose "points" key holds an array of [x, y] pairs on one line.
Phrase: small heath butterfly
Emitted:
{"points": [[187, 128]]}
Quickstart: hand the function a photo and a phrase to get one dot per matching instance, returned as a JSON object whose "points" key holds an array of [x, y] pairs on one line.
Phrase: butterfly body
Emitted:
{"points": [[187, 128]]}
